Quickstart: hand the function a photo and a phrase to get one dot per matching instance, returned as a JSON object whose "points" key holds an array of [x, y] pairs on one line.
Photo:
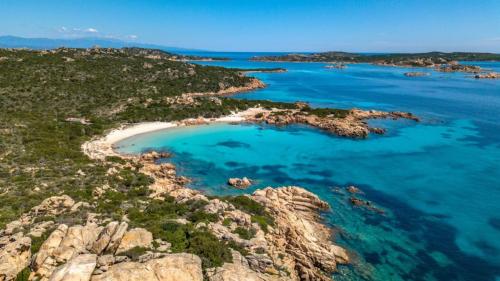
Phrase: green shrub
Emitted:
{"points": [[209, 248], [226, 222], [134, 253], [245, 233], [24, 274], [202, 216], [263, 221]]}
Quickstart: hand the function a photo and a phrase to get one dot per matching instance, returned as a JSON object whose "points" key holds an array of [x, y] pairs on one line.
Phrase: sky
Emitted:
{"points": [[266, 25]]}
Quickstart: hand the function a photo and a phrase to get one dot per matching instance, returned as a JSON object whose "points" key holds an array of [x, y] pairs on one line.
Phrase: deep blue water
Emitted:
{"points": [[438, 181]]}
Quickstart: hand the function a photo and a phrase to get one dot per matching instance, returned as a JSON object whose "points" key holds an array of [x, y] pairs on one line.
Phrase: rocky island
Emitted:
{"points": [[444, 62], [74, 209]]}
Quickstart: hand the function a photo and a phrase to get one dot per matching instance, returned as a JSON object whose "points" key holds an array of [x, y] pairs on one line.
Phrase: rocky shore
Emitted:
{"points": [[490, 75], [353, 124], [295, 247]]}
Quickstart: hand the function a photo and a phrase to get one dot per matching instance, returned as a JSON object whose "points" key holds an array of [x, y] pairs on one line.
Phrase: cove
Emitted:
{"points": [[421, 232]]}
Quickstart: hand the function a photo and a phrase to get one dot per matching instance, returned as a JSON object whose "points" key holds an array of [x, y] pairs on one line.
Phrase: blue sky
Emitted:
{"points": [[266, 25]]}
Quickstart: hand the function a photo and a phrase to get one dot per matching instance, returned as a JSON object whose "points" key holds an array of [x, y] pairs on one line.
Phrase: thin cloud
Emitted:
{"points": [[91, 30], [78, 32]]}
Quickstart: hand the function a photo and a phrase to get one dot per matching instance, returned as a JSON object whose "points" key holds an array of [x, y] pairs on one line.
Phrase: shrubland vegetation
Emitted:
{"points": [[51, 102]]}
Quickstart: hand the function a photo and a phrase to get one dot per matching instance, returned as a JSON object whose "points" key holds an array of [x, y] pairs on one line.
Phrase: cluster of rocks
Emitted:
{"points": [[456, 67], [238, 183], [353, 125], [416, 74], [339, 65], [413, 62], [489, 75]]}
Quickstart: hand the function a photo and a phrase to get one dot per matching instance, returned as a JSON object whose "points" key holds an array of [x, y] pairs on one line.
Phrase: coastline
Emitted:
{"points": [[297, 226], [100, 148], [294, 209]]}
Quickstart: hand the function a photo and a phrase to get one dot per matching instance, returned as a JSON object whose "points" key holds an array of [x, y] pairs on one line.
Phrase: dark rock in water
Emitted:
{"points": [[240, 183], [365, 204], [490, 75], [378, 131]]}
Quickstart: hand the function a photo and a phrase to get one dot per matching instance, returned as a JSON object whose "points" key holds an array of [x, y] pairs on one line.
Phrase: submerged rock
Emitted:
{"points": [[490, 75], [416, 74]]}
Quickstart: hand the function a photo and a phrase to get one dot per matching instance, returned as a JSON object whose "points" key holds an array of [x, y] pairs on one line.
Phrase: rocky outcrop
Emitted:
{"points": [[15, 253], [239, 270], [238, 183], [336, 66], [82, 248], [352, 125], [456, 67], [79, 268], [173, 267], [299, 235], [166, 182], [51, 206]]}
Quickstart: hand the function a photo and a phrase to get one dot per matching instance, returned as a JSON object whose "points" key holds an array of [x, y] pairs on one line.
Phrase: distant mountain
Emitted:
{"points": [[87, 42]]}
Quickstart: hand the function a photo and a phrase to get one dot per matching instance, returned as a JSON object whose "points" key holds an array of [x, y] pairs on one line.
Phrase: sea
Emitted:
{"points": [[436, 182]]}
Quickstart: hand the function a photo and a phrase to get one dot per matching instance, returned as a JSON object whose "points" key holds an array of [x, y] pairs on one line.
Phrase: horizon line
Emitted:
{"points": [[190, 49]]}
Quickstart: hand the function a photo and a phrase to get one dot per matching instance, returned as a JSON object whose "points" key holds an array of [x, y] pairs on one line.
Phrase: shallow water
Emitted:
{"points": [[438, 181]]}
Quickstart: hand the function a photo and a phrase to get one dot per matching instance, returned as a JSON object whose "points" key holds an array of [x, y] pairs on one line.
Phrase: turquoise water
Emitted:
{"points": [[438, 181]]}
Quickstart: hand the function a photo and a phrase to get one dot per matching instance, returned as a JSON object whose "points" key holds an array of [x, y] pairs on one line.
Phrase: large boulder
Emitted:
{"points": [[15, 253], [104, 237], [79, 268], [54, 205], [44, 262], [137, 237], [174, 267], [238, 183]]}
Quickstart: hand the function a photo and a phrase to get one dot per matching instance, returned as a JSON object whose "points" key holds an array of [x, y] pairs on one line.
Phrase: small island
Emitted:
{"points": [[440, 61]]}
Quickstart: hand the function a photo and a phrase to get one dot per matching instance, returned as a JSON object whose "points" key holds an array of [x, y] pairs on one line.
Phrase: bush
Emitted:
{"points": [[23, 275], [258, 212], [263, 221], [134, 253], [202, 216], [245, 233], [209, 248]]}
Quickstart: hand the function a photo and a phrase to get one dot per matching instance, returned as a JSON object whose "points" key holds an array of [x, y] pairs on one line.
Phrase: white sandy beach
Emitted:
{"points": [[103, 146]]}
